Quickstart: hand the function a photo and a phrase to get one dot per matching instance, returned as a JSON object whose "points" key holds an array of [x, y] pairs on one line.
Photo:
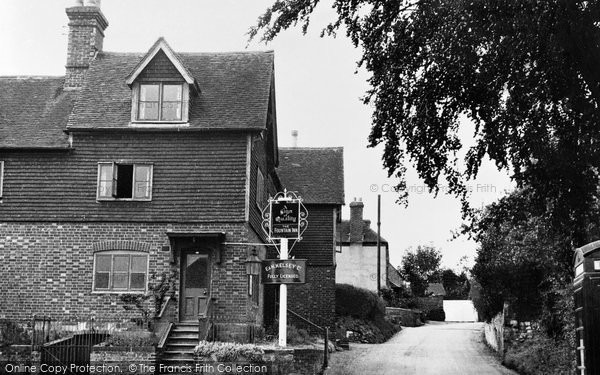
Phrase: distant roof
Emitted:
{"points": [[316, 173], [394, 277], [343, 233], [436, 289], [34, 112], [234, 90]]}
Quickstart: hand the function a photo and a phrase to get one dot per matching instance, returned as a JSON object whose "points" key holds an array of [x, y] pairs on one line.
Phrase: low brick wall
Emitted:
{"points": [[406, 317], [123, 358], [306, 361]]}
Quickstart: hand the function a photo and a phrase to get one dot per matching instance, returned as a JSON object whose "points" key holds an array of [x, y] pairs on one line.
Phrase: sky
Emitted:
{"points": [[318, 92]]}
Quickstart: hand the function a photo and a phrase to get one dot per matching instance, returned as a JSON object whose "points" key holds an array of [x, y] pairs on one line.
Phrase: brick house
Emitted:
{"points": [[317, 174], [136, 165]]}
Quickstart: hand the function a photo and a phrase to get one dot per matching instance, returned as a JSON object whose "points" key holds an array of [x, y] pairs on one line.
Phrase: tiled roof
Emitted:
{"points": [[33, 112], [234, 87], [394, 276], [316, 173], [436, 289], [343, 232]]}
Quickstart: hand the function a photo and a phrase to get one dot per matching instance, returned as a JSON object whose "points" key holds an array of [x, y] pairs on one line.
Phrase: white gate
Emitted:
{"points": [[460, 311]]}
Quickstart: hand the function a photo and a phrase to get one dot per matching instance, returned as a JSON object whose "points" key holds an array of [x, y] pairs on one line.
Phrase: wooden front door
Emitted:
{"points": [[195, 281]]}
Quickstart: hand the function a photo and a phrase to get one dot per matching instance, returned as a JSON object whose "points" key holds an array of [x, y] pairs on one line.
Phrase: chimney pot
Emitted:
{"points": [[294, 138]]}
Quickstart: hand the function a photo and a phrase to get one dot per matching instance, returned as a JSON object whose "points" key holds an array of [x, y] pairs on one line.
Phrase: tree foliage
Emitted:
{"points": [[523, 72], [420, 267], [524, 262], [457, 286]]}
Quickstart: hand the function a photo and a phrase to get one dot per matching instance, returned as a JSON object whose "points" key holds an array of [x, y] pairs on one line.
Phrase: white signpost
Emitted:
{"points": [[284, 219]]}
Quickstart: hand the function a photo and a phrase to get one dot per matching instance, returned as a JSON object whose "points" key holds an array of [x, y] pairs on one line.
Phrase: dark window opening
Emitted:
{"points": [[124, 181]]}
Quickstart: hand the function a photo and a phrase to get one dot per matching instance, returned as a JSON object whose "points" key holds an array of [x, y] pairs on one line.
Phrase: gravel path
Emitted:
{"points": [[436, 348]]}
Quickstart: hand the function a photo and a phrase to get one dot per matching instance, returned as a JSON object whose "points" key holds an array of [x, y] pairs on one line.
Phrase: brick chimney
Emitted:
{"points": [[356, 221], [86, 36]]}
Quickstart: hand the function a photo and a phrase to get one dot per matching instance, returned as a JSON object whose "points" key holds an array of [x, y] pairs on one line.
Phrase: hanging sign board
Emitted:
{"points": [[284, 271], [285, 219]]}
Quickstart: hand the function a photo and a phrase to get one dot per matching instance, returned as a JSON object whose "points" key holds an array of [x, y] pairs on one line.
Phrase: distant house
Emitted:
{"points": [[356, 256], [435, 290], [394, 279], [317, 175]]}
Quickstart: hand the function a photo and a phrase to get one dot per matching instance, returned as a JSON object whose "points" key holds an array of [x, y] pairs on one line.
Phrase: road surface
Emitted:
{"points": [[433, 349]]}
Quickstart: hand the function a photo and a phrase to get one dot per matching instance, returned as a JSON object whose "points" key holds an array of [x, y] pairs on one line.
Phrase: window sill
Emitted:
{"points": [[141, 291], [161, 124], [123, 200]]}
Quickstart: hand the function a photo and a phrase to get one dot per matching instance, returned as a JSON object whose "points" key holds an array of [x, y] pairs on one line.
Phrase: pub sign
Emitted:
{"points": [[285, 219], [283, 271]]}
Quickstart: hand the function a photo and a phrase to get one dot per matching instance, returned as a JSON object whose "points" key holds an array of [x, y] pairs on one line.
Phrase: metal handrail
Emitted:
{"points": [[325, 334]]}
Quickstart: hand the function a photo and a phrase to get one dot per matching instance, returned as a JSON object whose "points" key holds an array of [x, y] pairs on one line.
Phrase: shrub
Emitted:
{"points": [[11, 333], [437, 315], [357, 302], [129, 339], [295, 336], [229, 351], [366, 331], [540, 355]]}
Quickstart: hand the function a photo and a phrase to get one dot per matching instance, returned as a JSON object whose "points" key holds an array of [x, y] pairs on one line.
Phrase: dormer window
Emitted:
{"points": [[161, 87], [160, 102]]}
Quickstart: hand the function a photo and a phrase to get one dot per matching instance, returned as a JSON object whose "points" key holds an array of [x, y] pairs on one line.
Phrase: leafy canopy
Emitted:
{"points": [[524, 73], [420, 267]]}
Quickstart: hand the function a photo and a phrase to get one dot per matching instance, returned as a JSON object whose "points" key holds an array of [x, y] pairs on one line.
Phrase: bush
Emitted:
{"points": [[229, 351], [437, 315], [540, 355], [295, 336], [12, 333], [130, 339], [358, 303]]}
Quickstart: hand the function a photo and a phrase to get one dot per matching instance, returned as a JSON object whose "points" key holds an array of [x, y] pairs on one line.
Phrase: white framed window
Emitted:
{"points": [[129, 181], [120, 271], [156, 102], [1, 177], [260, 188]]}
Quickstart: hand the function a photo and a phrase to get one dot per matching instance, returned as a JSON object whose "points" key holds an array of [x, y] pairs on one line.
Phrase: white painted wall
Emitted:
{"points": [[357, 265], [460, 311]]}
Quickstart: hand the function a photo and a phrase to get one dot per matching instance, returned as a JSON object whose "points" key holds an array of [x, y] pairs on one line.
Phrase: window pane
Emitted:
{"points": [[171, 111], [149, 93], [142, 173], [196, 273], [101, 281], [148, 111], [139, 263], [105, 180], [120, 280], [172, 93], [138, 281], [121, 263], [102, 263]]}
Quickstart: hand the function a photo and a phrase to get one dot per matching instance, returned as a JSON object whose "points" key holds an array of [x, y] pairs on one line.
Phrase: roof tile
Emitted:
{"points": [[316, 173], [33, 112]]}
